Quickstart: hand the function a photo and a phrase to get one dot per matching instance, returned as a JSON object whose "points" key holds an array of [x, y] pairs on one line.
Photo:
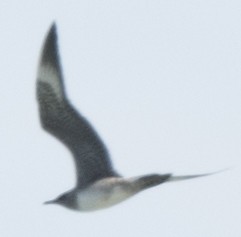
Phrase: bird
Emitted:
{"points": [[98, 184]]}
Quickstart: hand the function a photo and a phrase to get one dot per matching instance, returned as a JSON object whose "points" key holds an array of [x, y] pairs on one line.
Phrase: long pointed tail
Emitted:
{"points": [[185, 177], [148, 181]]}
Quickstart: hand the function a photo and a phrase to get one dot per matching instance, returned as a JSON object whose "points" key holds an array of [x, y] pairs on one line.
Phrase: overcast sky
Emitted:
{"points": [[161, 83]]}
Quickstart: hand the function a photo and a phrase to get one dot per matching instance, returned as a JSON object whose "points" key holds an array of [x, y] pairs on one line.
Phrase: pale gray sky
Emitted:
{"points": [[161, 83]]}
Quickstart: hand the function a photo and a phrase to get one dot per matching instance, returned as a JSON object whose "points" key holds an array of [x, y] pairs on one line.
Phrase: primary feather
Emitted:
{"points": [[59, 118]]}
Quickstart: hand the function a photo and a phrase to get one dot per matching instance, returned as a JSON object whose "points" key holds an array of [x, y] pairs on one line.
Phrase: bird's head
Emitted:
{"points": [[66, 200]]}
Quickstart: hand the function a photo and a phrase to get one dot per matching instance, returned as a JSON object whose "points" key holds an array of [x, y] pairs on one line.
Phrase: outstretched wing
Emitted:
{"points": [[60, 119]]}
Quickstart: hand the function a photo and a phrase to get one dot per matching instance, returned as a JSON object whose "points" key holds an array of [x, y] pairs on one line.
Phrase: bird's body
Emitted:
{"points": [[98, 184], [105, 193]]}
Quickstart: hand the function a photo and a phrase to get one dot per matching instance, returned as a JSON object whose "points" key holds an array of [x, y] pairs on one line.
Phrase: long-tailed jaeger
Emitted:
{"points": [[98, 184]]}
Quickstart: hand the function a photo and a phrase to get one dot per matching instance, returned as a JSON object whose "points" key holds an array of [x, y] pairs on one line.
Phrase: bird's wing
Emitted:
{"points": [[60, 119]]}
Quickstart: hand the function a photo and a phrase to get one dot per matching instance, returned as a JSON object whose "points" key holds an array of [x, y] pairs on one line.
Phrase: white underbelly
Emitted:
{"points": [[102, 195]]}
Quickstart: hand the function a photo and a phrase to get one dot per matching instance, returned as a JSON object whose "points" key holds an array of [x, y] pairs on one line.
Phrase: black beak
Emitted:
{"points": [[51, 202]]}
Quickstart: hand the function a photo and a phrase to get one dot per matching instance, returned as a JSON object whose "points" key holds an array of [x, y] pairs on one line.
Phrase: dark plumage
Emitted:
{"points": [[98, 185]]}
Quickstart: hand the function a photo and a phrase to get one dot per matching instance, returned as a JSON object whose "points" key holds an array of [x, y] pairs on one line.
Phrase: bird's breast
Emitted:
{"points": [[103, 194]]}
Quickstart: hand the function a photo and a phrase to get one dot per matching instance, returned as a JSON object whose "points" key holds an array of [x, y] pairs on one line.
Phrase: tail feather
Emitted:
{"points": [[149, 181], [185, 177]]}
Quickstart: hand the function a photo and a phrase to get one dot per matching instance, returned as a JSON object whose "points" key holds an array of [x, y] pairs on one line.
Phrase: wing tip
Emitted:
{"points": [[50, 47], [53, 30], [49, 67]]}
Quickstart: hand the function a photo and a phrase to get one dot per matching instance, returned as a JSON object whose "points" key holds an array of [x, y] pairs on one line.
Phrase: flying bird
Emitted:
{"points": [[98, 184]]}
